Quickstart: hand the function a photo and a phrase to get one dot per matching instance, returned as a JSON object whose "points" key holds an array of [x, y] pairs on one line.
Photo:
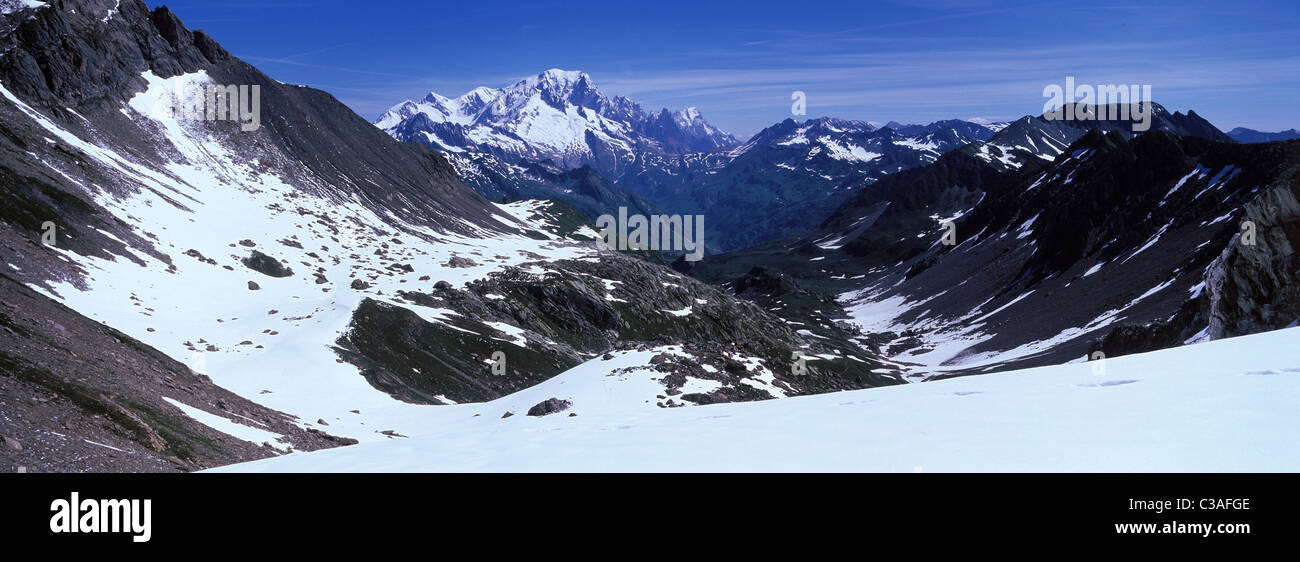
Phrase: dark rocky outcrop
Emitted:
{"points": [[266, 265], [569, 315], [1257, 287], [459, 262], [549, 406]]}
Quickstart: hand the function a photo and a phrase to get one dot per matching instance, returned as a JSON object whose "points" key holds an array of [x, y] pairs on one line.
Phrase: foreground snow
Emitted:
{"points": [[1229, 405]]}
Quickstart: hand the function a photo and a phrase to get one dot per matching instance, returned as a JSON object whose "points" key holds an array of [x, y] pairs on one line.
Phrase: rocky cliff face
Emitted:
{"points": [[1257, 287], [1249, 287]]}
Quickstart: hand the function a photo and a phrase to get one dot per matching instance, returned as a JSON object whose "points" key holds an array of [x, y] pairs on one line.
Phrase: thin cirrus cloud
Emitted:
{"points": [[936, 84], [903, 60], [858, 78]]}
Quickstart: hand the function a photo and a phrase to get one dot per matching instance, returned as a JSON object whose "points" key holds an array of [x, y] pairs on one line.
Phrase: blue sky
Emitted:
{"points": [[1237, 63]]}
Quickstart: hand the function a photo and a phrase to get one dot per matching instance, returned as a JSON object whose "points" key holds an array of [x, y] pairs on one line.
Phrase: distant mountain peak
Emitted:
{"points": [[561, 76], [1242, 134], [559, 115], [688, 114]]}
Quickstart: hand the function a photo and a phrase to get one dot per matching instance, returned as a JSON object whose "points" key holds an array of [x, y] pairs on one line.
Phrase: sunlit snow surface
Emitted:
{"points": [[1228, 405]]}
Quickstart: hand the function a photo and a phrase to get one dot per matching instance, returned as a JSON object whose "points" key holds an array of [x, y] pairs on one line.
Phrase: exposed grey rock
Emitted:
{"points": [[549, 406], [460, 262], [266, 265]]}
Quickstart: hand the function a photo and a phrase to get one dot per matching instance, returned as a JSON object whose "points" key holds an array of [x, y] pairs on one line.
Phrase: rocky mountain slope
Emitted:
{"points": [[789, 177], [1130, 243], [584, 188], [80, 396], [548, 316], [1032, 137]]}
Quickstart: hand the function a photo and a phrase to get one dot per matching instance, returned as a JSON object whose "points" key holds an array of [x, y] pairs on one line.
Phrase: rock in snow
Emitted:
{"points": [[549, 406]]}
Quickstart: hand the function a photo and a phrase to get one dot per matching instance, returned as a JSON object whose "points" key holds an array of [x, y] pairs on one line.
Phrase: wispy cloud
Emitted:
{"points": [[905, 60], [918, 84]]}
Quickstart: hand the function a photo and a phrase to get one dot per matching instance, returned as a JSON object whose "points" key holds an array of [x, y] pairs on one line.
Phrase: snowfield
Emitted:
{"points": [[1231, 405], [273, 344]]}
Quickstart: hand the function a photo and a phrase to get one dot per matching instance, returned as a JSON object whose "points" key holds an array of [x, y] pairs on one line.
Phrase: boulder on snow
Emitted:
{"points": [[266, 265], [549, 406], [459, 262]]}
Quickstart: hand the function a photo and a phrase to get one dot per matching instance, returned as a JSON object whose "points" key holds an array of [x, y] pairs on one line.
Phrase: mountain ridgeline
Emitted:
{"points": [[1132, 242], [675, 162]]}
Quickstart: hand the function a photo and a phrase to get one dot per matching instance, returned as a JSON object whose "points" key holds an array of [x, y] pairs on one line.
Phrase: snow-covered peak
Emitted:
{"points": [[558, 115], [688, 115], [480, 94], [440, 109], [433, 98], [559, 78], [995, 127]]}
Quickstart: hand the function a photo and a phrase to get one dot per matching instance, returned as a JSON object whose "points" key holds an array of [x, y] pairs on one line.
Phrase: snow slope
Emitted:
{"points": [[273, 344], [1230, 405]]}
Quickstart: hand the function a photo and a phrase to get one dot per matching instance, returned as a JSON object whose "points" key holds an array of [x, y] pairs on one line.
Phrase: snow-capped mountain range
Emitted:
{"points": [[558, 115], [789, 177], [783, 180]]}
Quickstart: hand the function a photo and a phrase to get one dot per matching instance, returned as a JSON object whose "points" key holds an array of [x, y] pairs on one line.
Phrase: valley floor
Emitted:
{"points": [[1231, 405]]}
